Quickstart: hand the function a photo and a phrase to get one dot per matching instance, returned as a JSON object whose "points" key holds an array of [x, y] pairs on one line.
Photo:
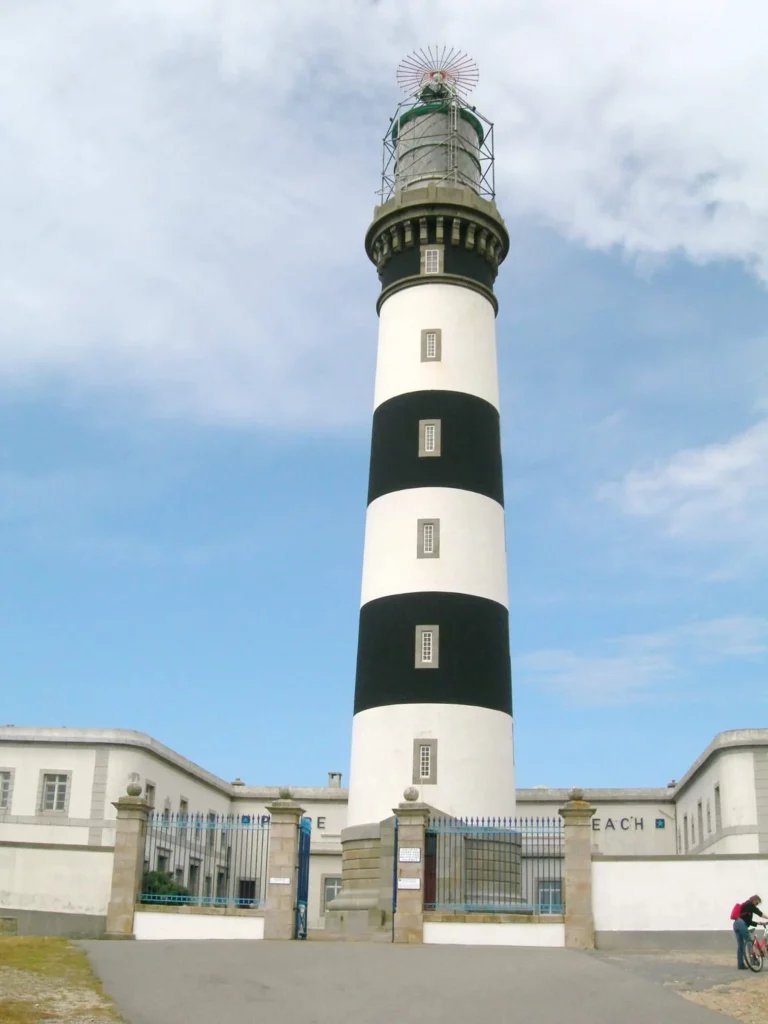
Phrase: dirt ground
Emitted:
{"points": [[49, 981], [708, 979]]}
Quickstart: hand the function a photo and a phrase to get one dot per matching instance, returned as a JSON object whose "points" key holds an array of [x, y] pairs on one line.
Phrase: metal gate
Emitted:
{"points": [[302, 888]]}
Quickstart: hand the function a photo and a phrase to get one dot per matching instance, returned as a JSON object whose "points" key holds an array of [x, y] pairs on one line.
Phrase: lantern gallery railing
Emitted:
{"points": [[494, 865], [206, 859]]}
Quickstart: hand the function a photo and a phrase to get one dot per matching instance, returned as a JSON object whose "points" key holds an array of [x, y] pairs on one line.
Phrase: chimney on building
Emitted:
{"points": [[334, 780]]}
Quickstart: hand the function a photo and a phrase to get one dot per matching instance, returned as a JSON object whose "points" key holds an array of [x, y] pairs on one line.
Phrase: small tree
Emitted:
{"points": [[158, 884]]}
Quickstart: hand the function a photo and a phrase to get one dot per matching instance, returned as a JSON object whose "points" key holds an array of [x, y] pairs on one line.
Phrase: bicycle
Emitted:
{"points": [[756, 950]]}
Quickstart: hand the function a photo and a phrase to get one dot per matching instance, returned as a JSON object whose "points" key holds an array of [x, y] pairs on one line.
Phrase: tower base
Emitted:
{"points": [[363, 909]]}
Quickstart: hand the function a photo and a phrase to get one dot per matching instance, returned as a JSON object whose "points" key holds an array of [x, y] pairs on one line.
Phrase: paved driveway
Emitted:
{"points": [[330, 983]]}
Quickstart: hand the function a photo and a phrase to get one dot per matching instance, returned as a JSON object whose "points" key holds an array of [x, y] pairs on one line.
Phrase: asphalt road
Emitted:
{"points": [[329, 983]]}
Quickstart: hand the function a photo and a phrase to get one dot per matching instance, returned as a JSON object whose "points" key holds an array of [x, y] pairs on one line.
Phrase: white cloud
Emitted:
{"points": [[185, 183], [653, 666], [715, 494]]}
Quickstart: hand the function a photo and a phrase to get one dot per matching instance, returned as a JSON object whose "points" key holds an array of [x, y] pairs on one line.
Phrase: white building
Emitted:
{"points": [[57, 820]]}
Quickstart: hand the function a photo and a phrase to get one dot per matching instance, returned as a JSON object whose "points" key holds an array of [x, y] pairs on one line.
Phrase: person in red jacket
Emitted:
{"points": [[742, 924]]}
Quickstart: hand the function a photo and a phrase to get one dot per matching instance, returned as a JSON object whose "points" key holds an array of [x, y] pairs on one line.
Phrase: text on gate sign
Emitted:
{"points": [[624, 824]]}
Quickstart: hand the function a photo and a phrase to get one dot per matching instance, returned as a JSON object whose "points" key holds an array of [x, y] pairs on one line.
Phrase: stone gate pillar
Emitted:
{"points": [[128, 862], [282, 867], [577, 872], [412, 818]]}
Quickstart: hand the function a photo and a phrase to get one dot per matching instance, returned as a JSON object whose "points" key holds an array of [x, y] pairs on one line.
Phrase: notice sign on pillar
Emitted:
{"points": [[409, 883], [410, 855]]}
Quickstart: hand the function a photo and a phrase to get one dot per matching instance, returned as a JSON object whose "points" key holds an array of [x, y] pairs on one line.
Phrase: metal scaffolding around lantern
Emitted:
{"points": [[436, 136]]}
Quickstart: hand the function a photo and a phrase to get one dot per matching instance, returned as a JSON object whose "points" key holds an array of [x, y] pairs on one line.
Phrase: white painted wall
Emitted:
{"points": [[472, 559], [475, 764], [734, 771], [28, 761], [170, 782], [460, 933], [148, 924], [319, 866], [620, 828], [468, 327], [681, 894], [65, 881]]}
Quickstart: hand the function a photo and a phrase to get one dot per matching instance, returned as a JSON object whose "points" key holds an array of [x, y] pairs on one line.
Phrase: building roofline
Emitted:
{"points": [[560, 796], [729, 740], [141, 741]]}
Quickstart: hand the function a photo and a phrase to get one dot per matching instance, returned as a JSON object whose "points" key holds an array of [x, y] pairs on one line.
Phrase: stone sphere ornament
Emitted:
{"points": [[133, 788], [411, 794]]}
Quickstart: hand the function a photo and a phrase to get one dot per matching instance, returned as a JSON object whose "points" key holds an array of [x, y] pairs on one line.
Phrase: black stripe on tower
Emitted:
{"points": [[470, 445], [473, 660], [457, 260]]}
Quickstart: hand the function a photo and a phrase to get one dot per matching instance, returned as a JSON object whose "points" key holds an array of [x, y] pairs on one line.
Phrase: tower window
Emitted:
{"points": [[431, 345], [429, 438], [424, 762], [427, 646], [428, 538], [431, 261]]}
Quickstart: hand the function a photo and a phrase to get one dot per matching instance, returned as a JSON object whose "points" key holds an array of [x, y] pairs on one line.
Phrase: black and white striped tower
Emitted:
{"points": [[433, 697]]}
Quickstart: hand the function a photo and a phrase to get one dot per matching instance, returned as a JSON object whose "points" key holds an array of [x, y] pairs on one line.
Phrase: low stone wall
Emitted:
{"points": [[15, 921], [188, 922], [546, 930]]}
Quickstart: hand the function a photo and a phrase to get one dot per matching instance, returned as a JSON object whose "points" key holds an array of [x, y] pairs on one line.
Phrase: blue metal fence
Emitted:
{"points": [[494, 865], [206, 859]]}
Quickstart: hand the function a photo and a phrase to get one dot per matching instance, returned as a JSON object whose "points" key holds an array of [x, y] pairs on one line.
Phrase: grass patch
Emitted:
{"points": [[14, 1011], [46, 979], [51, 958]]}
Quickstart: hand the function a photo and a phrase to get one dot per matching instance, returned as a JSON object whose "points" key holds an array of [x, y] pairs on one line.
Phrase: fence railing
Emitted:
{"points": [[206, 859], [494, 865]]}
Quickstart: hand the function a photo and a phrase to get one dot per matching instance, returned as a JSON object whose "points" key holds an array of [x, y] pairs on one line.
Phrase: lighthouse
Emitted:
{"points": [[433, 695]]}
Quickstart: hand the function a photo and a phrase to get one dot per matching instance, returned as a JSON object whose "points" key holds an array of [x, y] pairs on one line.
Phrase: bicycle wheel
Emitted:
{"points": [[753, 958]]}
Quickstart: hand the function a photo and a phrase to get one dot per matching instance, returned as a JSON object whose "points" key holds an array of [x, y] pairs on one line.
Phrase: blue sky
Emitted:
{"points": [[187, 349]]}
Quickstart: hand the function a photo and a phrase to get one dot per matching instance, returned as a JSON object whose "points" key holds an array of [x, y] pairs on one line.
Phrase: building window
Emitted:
{"points": [[194, 878], [700, 813], [718, 810], [208, 887], [427, 646], [246, 892], [331, 889], [149, 794], [424, 762], [551, 897], [432, 261], [693, 832], [429, 438], [431, 346], [183, 809], [428, 538], [210, 839], [685, 831], [6, 785], [55, 789], [321, 822], [709, 818], [162, 863]]}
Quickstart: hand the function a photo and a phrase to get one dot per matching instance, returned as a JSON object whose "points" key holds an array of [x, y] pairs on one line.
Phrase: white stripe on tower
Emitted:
{"points": [[433, 705]]}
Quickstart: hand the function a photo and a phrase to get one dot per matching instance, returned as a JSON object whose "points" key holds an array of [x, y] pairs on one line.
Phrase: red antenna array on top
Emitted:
{"points": [[439, 67]]}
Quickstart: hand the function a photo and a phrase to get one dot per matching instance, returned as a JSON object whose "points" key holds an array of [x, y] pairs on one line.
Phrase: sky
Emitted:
{"points": [[187, 356]]}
